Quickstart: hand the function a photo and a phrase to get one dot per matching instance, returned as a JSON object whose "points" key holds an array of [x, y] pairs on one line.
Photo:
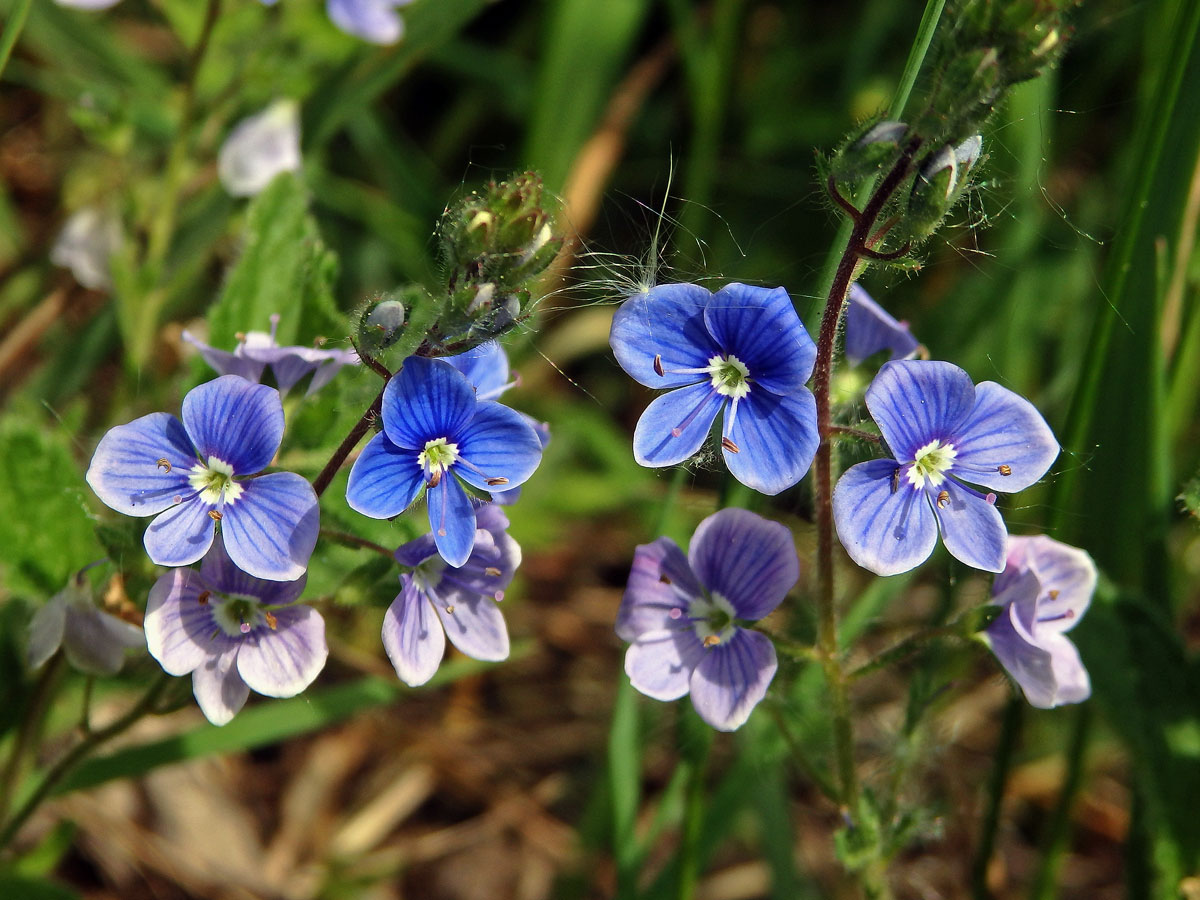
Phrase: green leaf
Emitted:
{"points": [[284, 268], [19, 888]]}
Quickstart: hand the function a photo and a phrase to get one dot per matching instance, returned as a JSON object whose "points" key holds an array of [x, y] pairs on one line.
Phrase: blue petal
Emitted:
{"points": [[1067, 575], [760, 327], [1029, 664], [486, 367], [417, 551], [181, 535], [237, 422], [127, 470], [178, 627], [972, 529], [476, 625], [452, 519], [870, 329], [412, 635], [227, 363], [220, 572], [1003, 429], [691, 410], [748, 560], [666, 322], [884, 532], [384, 480], [497, 443], [374, 21], [271, 530], [285, 659], [918, 401], [776, 439], [660, 663], [660, 582], [219, 688], [426, 400], [732, 678]]}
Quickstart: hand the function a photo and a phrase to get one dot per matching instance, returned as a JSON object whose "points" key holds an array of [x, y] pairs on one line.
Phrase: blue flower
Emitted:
{"points": [[464, 599], [1045, 589], [375, 21], [193, 475], [870, 329], [742, 351], [436, 432], [940, 428], [681, 614], [234, 633]]}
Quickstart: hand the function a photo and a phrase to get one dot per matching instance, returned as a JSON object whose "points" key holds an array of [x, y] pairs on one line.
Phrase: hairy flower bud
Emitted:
{"points": [[940, 181], [380, 324], [869, 149]]}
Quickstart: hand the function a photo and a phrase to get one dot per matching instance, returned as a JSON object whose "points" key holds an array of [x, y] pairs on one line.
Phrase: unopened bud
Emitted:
{"points": [[380, 323], [873, 147]]}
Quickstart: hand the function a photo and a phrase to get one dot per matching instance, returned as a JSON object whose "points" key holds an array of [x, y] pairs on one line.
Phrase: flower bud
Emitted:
{"points": [[940, 181], [380, 323], [870, 149]]}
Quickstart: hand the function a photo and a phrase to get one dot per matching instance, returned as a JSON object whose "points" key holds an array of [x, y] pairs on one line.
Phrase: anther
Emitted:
{"points": [[492, 571], [215, 515], [730, 445], [494, 481], [240, 336], [450, 610], [1053, 594], [435, 478], [896, 479], [943, 499], [658, 366], [164, 464], [711, 641], [664, 579], [203, 598], [1004, 470], [272, 622]]}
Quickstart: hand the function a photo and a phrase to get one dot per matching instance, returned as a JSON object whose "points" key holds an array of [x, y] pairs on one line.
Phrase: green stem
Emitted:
{"points": [[57, 772], [12, 31], [30, 723], [693, 820], [1010, 731], [352, 540]]}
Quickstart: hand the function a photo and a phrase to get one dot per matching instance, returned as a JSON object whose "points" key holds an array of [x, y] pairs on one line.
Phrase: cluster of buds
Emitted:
{"points": [[941, 180]]}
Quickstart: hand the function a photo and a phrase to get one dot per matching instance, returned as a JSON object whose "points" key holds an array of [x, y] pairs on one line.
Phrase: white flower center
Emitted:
{"points": [[712, 619], [438, 456], [239, 614], [730, 376], [931, 464], [428, 574], [215, 480]]}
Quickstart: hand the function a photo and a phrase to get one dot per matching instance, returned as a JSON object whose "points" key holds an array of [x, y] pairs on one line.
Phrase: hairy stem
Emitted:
{"points": [[349, 442]]}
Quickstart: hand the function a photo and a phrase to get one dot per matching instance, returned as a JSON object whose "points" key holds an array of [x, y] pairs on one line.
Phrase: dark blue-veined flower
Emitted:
{"points": [[942, 431], [435, 432], [234, 633], [682, 614], [437, 600], [204, 471], [1045, 589], [742, 351], [870, 329], [257, 349]]}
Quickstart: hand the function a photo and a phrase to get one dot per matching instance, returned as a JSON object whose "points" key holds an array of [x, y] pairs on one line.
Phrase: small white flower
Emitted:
{"points": [[259, 148], [88, 240], [94, 641]]}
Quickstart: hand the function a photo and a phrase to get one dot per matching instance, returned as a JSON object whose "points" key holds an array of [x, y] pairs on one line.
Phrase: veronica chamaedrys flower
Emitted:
{"points": [[942, 431], [93, 641], [870, 329], [256, 350], [86, 244], [1044, 590], [259, 148], [682, 615], [192, 475], [436, 432], [464, 598], [743, 351], [375, 21], [234, 633]]}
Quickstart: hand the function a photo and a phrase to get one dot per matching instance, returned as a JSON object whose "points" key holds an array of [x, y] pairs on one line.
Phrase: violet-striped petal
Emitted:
{"points": [[660, 663], [385, 480], [426, 400], [218, 688], [674, 426], [1067, 575], [748, 560], [663, 330], [486, 367], [917, 401], [972, 529], [661, 581], [474, 625], [1004, 432], [374, 21], [181, 535], [886, 525], [871, 329], [412, 635], [95, 642], [270, 531], [284, 660], [220, 572], [235, 421], [775, 437], [179, 628], [225, 362], [141, 468], [497, 443], [732, 678], [452, 519], [760, 327]]}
